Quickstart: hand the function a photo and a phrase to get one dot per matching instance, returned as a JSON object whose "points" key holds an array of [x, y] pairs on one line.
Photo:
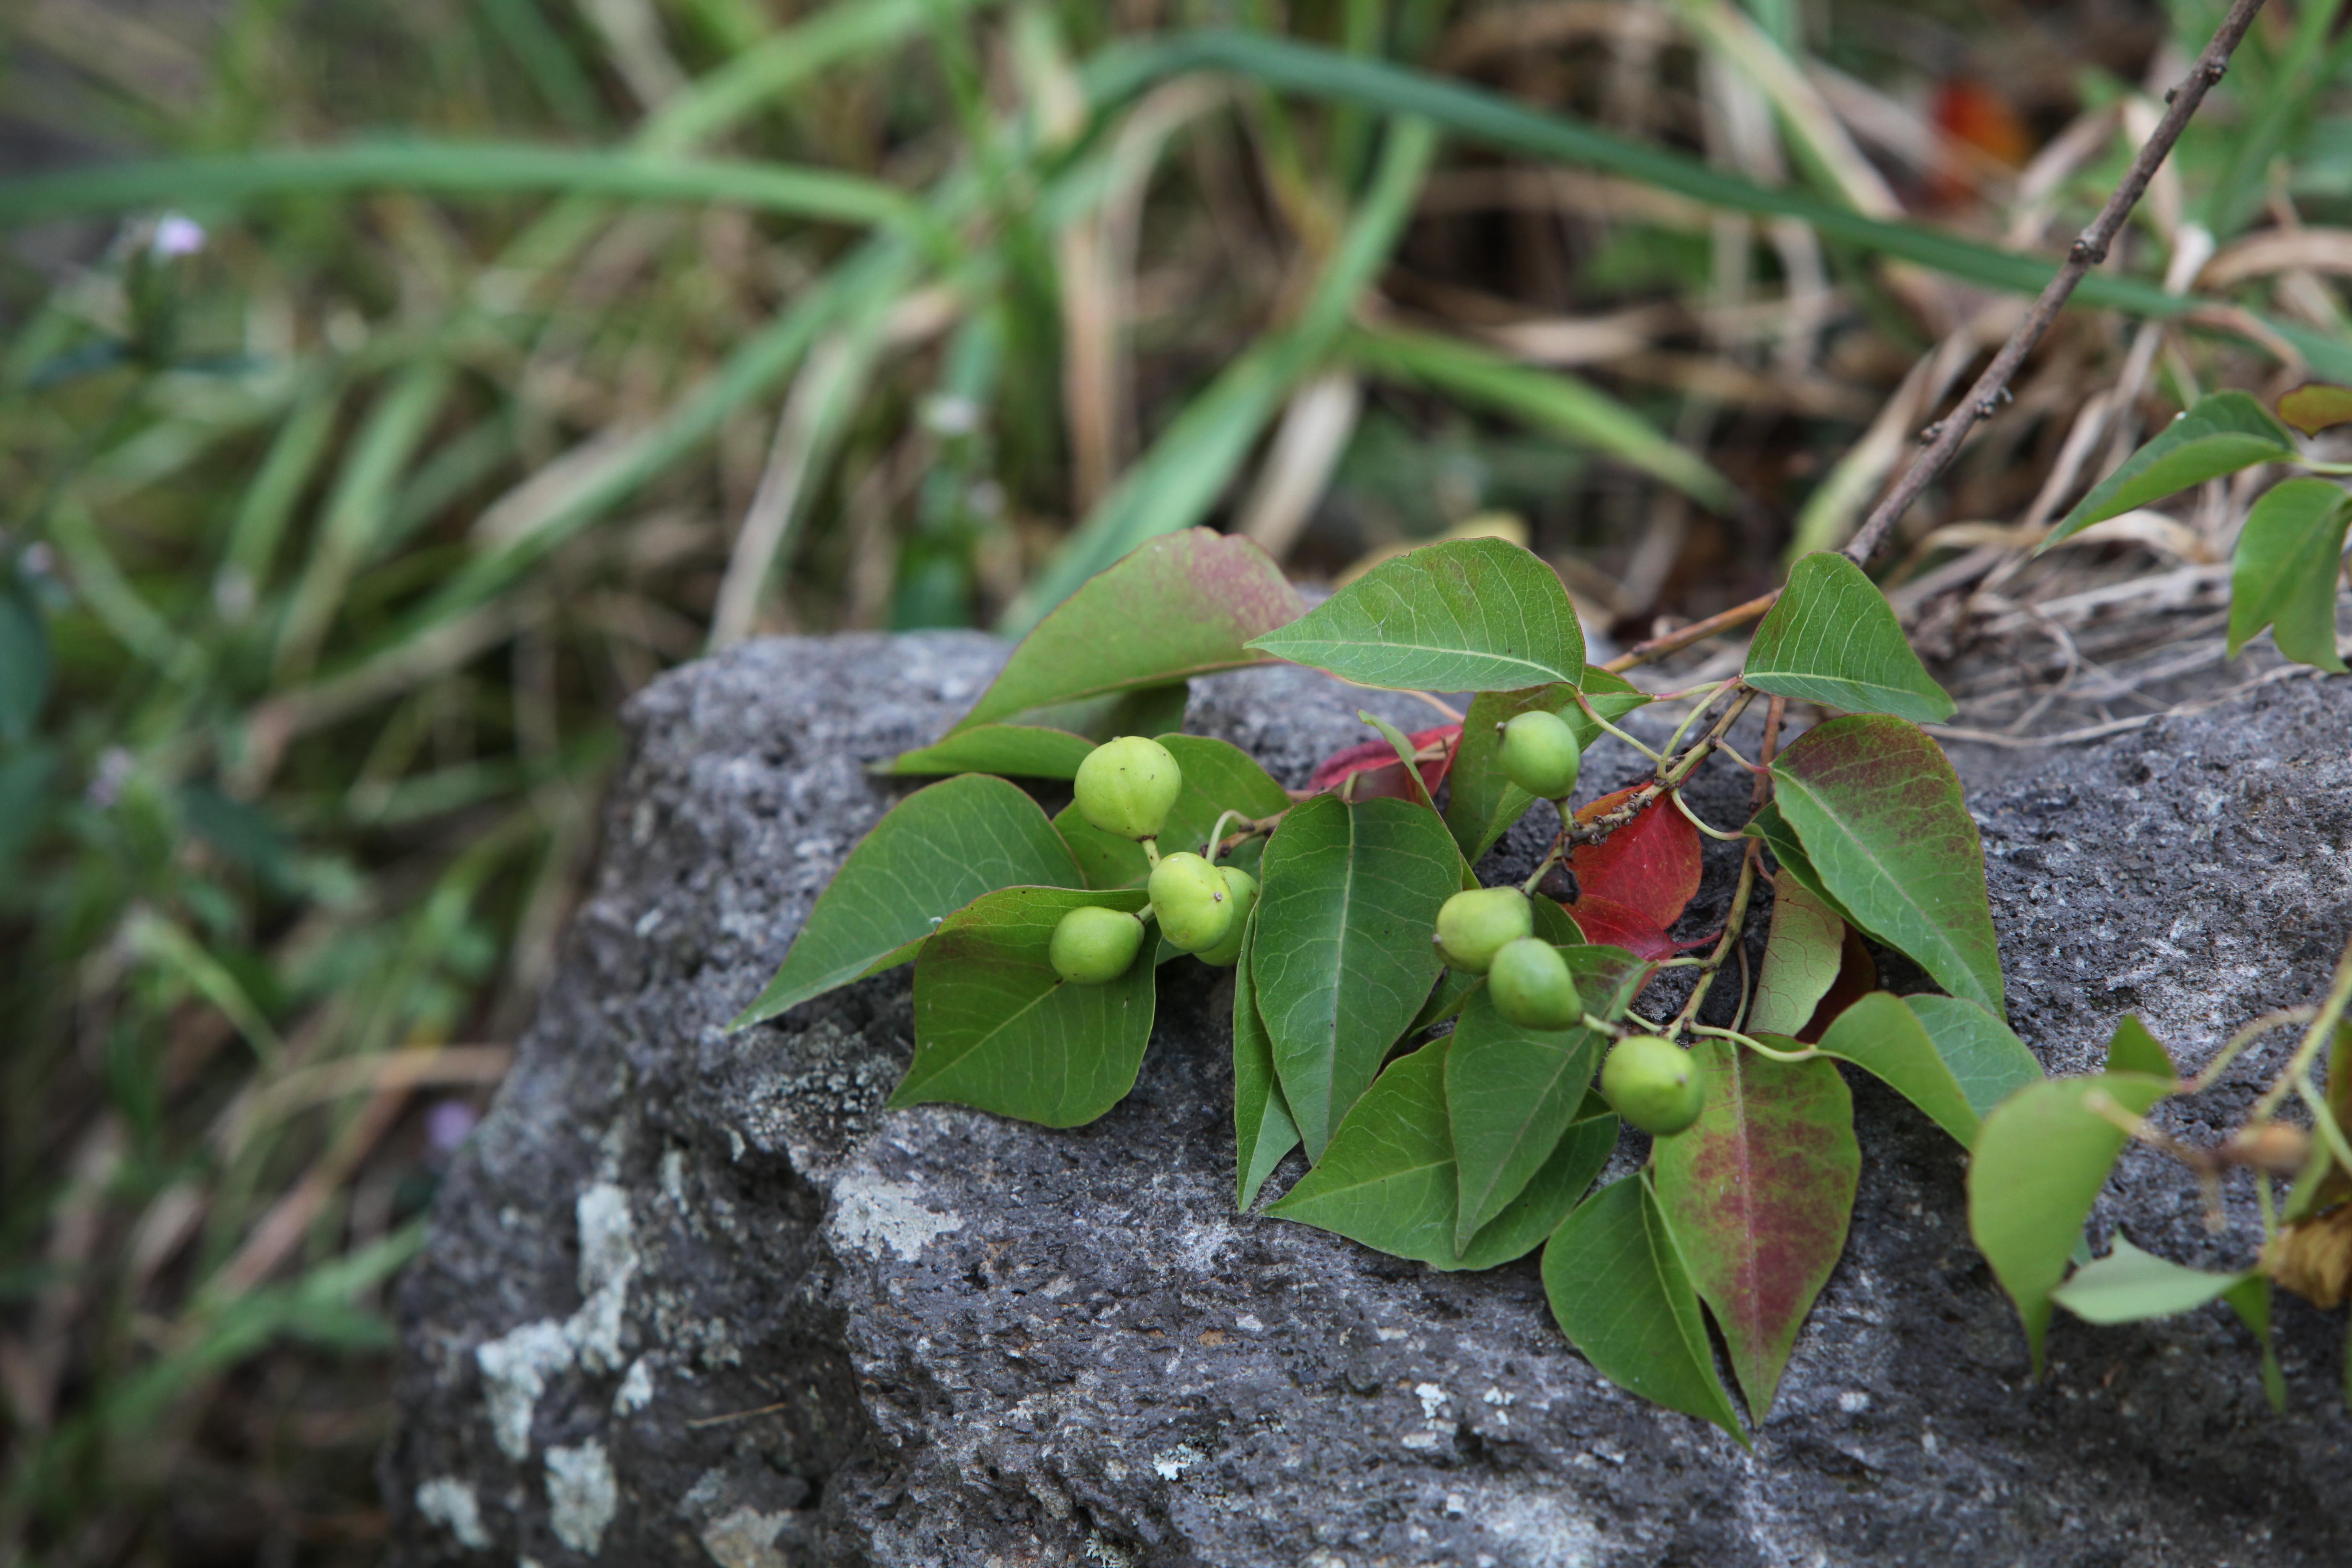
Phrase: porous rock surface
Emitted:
{"points": [[692, 1297]]}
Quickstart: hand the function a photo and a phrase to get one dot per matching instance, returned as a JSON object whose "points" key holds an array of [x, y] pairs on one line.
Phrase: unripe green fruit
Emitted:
{"points": [[1539, 754], [1472, 927], [1126, 786], [1094, 946], [1196, 912], [1240, 890], [1654, 1084], [1532, 987]]}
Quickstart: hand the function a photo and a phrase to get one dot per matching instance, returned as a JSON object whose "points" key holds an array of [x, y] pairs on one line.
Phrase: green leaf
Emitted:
{"points": [[1388, 1178], [937, 850], [1464, 371], [1884, 1039], [1801, 955], [2128, 1286], [1511, 1092], [1773, 829], [1179, 605], [1758, 1192], [2131, 1048], [1468, 615], [1879, 812], [2288, 566], [1263, 1129], [1621, 1294], [2223, 434], [1482, 804], [2036, 1168], [1343, 953], [2313, 408], [996, 1028], [1984, 1055], [1218, 777], [1451, 995], [1833, 638], [24, 661], [1022, 751], [2251, 1298]]}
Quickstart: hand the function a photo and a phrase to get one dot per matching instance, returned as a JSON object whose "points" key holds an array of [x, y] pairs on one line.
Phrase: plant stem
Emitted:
{"points": [[1643, 653], [2322, 1030], [1991, 389], [1732, 923]]}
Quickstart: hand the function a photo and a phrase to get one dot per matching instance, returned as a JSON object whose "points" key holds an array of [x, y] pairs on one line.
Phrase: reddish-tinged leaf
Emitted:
{"points": [[1857, 977], [1758, 1192], [1879, 810], [2313, 408], [1378, 774], [1611, 923], [1176, 606], [1650, 866]]}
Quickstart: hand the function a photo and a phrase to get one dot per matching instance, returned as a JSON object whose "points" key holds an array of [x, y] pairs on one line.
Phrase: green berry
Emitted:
{"points": [[1126, 786], [1472, 927], [1094, 946], [1196, 911], [1540, 755], [1532, 987], [1240, 888], [1654, 1084]]}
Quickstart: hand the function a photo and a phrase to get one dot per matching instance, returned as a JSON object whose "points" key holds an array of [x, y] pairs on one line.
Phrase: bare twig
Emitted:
{"points": [[1992, 387]]}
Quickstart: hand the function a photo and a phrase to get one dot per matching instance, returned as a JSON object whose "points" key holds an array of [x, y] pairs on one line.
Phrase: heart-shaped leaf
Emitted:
{"points": [[936, 851], [1833, 638], [1022, 751], [1879, 812], [1621, 1292], [2037, 1166], [1175, 606], [1885, 1036], [1343, 956], [1650, 866], [996, 1028], [1511, 1092], [1484, 803], [1388, 1178], [2223, 434], [1468, 615], [1608, 922], [2315, 407], [1263, 1129], [2128, 1286], [2289, 563], [1758, 1192], [1802, 954], [1218, 777]]}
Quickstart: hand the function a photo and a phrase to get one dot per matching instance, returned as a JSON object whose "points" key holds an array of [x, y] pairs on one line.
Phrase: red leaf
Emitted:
{"points": [[1611, 923], [1378, 774], [1650, 866], [1758, 1192], [1857, 977]]}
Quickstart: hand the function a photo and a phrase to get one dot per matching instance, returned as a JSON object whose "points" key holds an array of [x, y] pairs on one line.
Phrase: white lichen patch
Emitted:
{"points": [[746, 1539], [1172, 1464], [581, 1496], [608, 1261], [515, 1369], [870, 1214], [450, 1504], [636, 1390]]}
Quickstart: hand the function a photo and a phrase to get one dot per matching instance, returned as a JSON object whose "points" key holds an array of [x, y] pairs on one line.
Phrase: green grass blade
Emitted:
{"points": [[451, 169], [1546, 399], [1496, 121]]}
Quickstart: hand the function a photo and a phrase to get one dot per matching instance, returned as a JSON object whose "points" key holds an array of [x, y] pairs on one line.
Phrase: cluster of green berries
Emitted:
{"points": [[1491, 931], [1127, 787]]}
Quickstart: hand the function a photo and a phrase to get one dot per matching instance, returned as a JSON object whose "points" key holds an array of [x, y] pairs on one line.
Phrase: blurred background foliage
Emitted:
{"points": [[464, 363]]}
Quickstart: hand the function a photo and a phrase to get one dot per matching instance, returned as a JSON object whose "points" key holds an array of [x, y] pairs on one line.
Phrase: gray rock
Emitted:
{"points": [[698, 1296]]}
